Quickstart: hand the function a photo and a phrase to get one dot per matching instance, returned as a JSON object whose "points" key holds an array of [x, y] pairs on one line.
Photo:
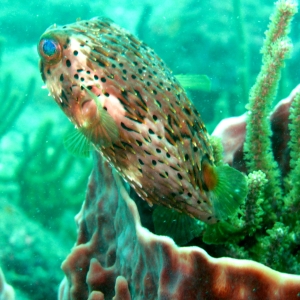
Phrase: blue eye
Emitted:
{"points": [[49, 49]]}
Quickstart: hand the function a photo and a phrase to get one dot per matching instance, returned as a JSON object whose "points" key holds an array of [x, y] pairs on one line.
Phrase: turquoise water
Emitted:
{"points": [[42, 186]]}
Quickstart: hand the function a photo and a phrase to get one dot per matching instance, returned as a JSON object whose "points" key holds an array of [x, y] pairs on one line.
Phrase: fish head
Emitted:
{"points": [[67, 69]]}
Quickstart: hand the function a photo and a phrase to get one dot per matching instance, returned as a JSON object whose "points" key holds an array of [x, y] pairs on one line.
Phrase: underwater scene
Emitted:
{"points": [[149, 150]]}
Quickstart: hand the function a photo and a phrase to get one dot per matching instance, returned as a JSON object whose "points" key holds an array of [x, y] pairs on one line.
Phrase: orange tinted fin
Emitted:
{"points": [[227, 186], [209, 175]]}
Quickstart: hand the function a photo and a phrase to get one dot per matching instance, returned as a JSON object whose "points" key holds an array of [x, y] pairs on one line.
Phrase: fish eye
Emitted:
{"points": [[49, 50]]}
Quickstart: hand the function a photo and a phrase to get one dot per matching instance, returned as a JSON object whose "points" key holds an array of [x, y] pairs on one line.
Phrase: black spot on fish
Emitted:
{"points": [[141, 162], [48, 72], [147, 139], [154, 117], [127, 128], [199, 202], [139, 143], [154, 92], [173, 136], [148, 153], [103, 79], [154, 162], [76, 76], [88, 72], [68, 63], [209, 218], [75, 52], [113, 65], [189, 194], [151, 131], [168, 155], [179, 176], [89, 87], [124, 71], [186, 157], [106, 94], [187, 111], [174, 168], [133, 76], [101, 64], [63, 96], [170, 120], [140, 71], [158, 150], [79, 70], [148, 83], [141, 99], [121, 65], [96, 77], [82, 79], [140, 170], [135, 120], [126, 144], [159, 104], [61, 78], [195, 149]]}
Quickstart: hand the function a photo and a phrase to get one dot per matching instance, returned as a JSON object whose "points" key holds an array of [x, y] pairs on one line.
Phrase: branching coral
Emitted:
{"points": [[258, 143]]}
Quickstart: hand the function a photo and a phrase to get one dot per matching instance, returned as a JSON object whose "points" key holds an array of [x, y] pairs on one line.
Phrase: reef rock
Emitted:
{"points": [[116, 258]]}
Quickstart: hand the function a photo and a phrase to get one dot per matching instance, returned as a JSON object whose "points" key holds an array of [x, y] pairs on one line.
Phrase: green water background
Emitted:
{"points": [[41, 185]]}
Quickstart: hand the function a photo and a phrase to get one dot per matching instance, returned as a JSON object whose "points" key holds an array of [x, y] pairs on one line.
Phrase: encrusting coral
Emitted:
{"points": [[116, 258]]}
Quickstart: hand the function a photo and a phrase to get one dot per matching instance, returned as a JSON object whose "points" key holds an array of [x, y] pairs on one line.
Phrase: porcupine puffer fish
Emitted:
{"points": [[123, 98]]}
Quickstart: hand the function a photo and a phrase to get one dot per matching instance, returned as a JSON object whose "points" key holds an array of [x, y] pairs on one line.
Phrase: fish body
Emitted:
{"points": [[127, 102]]}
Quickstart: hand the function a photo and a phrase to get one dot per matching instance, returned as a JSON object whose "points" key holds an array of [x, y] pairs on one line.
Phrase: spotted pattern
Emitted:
{"points": [[162, 140]]}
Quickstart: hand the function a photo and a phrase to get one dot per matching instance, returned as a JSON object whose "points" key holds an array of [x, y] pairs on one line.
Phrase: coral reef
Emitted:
{"points": [[267, 148], [116, 257], [232, 133]]}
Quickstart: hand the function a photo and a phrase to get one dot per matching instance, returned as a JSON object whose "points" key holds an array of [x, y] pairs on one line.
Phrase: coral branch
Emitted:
{"points": [[258, 144]]}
